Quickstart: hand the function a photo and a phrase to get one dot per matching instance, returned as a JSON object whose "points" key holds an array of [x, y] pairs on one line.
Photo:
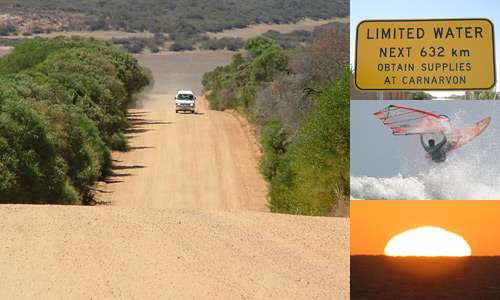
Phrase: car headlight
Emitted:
{"points": [[191, 104]]}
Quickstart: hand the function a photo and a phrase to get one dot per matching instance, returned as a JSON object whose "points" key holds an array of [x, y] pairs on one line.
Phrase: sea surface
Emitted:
{"points": [[420, 278]]}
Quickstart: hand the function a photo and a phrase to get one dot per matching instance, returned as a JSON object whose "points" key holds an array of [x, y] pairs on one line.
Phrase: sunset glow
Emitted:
{"points": [[427, 241]]}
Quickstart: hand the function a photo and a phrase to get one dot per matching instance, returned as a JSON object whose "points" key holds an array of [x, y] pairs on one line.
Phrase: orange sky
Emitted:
{"points": [[374, 222]]}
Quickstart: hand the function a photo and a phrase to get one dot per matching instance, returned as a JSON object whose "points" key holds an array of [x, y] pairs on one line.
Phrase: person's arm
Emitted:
{"points": [[423, 143], [444, 135], [444, 139]]}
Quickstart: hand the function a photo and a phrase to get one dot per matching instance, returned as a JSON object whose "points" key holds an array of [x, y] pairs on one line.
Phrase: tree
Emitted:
{"points": [[421, 96], [483, 95], [256, 46], [267, 64], [324, 59]]}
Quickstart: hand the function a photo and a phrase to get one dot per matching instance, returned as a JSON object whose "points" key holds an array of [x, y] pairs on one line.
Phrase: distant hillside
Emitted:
{"points": [[180, 19]]}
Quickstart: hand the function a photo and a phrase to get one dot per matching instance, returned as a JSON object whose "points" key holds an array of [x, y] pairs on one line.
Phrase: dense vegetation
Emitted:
{"points": [[63, 105], [297, 37], [181, 19], [204, 42], [182, 24], [300, 98]]}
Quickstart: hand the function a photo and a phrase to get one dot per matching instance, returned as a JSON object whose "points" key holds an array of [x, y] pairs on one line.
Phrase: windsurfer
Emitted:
{"points": [[437, 151], [409, 121]]}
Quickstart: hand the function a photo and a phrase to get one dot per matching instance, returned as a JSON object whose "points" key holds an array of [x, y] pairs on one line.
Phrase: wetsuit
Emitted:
{"points": [[437, 152]]}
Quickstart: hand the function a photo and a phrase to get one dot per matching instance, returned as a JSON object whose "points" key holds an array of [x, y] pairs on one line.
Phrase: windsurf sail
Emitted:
{"points": [[465, 136], [404, 120]]}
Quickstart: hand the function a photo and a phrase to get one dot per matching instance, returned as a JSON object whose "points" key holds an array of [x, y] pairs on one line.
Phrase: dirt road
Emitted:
{"points": [[203, 161], [184, 217], [256, 30]]}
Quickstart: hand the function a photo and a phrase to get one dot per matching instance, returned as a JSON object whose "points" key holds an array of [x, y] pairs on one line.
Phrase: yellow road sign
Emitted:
{"points": [[429, 55]]}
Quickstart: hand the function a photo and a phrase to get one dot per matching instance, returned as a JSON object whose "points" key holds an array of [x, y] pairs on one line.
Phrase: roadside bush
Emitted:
{"points": [[32, 52], [313, 177], [63, 104], [256, 46], [32, 171], [269, 63], [273, 141], [92, 81], [284, 102], [236, 85], [79, 144]]}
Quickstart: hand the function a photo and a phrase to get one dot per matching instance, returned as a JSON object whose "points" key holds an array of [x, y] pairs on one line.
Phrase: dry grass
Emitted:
{"points": [[5, 50], [341, 208]]}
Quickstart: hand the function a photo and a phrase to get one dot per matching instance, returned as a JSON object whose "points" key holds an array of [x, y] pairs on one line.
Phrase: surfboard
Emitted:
{"points": [[467, 135]]}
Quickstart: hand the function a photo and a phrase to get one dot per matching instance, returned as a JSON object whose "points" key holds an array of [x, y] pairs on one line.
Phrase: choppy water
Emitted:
{"points": [[469, 173]]}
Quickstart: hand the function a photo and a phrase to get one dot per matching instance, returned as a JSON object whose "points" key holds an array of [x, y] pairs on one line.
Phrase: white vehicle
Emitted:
{"points": [[184, 101]]}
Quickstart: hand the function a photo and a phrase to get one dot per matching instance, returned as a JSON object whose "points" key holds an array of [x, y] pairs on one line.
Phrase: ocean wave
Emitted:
{"points": [[472, 177]]}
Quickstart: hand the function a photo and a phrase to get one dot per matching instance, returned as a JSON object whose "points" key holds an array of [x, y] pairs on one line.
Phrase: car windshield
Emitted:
{"points": [[185, 97]]}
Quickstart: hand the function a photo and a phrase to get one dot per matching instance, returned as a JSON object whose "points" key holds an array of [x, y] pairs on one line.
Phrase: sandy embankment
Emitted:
{"points": [[59, 252]]}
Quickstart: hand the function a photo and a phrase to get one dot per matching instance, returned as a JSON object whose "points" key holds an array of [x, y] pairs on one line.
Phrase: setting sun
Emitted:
{"points": [[427, 241]]}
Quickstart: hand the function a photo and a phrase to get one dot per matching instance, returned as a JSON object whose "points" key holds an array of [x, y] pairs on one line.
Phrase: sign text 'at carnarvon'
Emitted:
{"points": [[435, 54]]}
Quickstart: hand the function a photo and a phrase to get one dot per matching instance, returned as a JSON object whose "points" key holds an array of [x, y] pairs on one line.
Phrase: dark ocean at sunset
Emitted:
{"points": [[418, 278]]}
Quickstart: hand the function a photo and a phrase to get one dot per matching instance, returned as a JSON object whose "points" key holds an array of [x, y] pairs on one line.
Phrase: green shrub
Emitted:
{"points": [[273, 142], [421, 96], [80, 145], [235, 85], [32, 171], [268, 63], [62, 107], [256, 46], [94, 85], [315, 176], [32, 52]]}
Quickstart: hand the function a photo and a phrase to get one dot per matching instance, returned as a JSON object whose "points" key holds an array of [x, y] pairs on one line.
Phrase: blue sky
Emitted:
{"points": [[424, 9]]}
